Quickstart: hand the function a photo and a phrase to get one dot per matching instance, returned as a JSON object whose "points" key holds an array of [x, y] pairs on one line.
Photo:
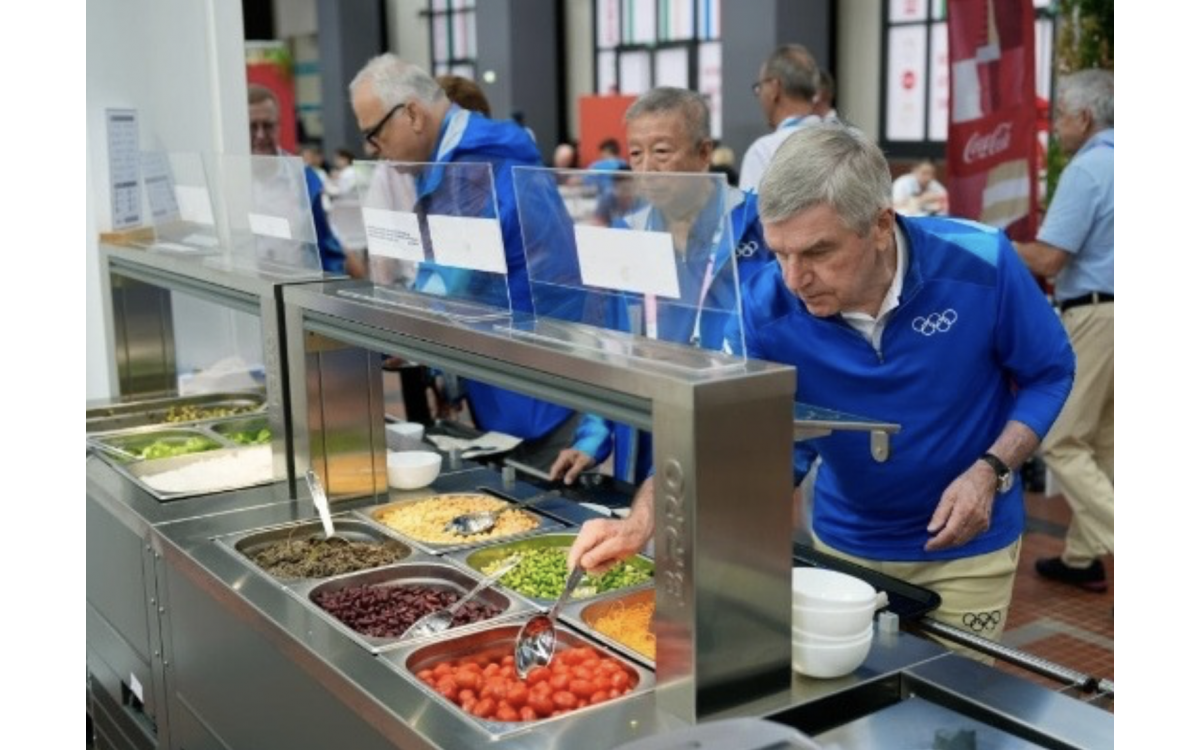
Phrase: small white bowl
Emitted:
{"points": [[833, 640], [833, 623], [829, 589], [829, 660], [412, 470], [405, 436]]}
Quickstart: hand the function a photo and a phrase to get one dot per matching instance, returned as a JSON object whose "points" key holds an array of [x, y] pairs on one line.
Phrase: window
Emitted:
{"points": [[452, 37], [641, 44], [916, 74]]}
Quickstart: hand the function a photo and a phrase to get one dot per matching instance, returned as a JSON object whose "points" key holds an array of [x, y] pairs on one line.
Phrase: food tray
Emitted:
{"points": [[124, 447], [428, 572], [581, 614], [244, 545], [412, 658], [375, 513], [479, 558], [149, 412]]}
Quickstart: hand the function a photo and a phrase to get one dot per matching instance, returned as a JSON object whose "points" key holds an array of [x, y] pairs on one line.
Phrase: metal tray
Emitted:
{"points": [[243, 545], [122, 447], [374, 513], [582, 615], [154, 411], [429, 572], [230, 426], [413, 658], [479, 558]]}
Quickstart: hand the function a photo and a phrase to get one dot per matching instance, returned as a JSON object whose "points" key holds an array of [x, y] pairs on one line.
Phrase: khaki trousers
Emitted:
{"points": [[976, 591], [1080, 446]]}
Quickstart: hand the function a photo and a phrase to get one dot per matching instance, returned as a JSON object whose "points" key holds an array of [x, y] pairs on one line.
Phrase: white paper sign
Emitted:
{"points": [[627, 260], [135, 687], [194, 204], [468, 242], [265, 225], [393, 234], [124, 167]]}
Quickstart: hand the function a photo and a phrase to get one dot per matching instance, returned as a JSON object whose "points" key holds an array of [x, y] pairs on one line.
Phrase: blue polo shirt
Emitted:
{"points": [[1080, 220]]}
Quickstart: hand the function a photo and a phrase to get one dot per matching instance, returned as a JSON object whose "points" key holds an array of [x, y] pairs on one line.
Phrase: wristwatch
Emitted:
{"points": [[1004, 475]]}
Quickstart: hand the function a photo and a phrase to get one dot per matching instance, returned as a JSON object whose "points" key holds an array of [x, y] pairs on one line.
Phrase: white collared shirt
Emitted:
{"points": [[872, 327]]}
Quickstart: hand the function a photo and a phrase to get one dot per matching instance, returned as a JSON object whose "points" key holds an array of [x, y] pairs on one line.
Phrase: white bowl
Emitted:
{"points": [[829, 589], [829, 660], [833, 623], [405, 436], [818, 639], [412, 470]]}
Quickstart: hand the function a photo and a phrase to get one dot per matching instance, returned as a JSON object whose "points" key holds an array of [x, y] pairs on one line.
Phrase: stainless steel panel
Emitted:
{"points": [[916, 722], [500, 639], [376, 512], [428, 573], [492, 553]]}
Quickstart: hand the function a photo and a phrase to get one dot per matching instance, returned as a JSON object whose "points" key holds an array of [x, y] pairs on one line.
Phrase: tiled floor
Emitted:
{"points": [[1063, 624]]}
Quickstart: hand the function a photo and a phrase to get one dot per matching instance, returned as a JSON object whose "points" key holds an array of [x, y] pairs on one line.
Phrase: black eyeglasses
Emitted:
{"points": [[757, 85], [371, 134]]}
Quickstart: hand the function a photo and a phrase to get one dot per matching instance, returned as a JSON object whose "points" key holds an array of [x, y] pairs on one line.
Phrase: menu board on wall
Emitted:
{"points": [[124, 167], [907, 80]]}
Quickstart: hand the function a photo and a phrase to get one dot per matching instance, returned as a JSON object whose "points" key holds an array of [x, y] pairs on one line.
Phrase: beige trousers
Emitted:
{"points": [[976, 591], [1080, 446]]}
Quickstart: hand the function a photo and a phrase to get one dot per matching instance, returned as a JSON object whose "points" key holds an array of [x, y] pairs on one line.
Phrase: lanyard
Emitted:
{"points": [[792, 121], [651, 305]]}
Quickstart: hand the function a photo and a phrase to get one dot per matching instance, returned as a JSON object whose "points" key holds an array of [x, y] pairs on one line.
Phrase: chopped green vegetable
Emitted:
{"points": [[542, 574], [169, 448], [251, 437]]}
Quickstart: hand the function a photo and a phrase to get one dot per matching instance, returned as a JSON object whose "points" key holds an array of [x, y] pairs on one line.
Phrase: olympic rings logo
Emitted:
{"points": [[747, 249], [979, 621], [927, 325]]}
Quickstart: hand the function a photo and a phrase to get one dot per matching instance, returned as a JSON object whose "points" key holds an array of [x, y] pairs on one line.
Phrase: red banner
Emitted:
{"points": [[991, 152]]}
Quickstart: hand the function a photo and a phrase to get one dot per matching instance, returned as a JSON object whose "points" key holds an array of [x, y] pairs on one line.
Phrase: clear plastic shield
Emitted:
{"points": [[180, 203], [646, 255], [434, 238], [270, 217]]}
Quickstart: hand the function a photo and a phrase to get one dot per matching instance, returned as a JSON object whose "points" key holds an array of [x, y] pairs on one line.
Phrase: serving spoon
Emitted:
{"points": [[439, 620], [484, 520], [536, 641], [322, 502]]}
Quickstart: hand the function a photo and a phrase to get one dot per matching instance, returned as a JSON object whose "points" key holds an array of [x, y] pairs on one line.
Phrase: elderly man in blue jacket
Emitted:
{"points": [[932, 323], [406, 117]]}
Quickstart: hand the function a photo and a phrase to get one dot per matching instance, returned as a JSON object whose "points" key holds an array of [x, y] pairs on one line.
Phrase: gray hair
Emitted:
{"points": [[1090, 90], [668, 99], [796, 70], [394, 81], [827, 163]]}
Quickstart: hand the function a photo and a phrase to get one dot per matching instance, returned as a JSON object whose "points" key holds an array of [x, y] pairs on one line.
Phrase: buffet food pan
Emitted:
{"points": [[435, 510], [174, 409], [248, 545], [491, 643], [638, 566], [345, 593], [243, 430], [584, 616], [154, 443]]}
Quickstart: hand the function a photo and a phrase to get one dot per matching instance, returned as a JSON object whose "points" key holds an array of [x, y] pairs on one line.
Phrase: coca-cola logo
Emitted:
{"points": [[980, 146]]}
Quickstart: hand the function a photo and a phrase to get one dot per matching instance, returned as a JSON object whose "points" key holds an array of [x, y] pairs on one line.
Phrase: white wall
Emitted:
{"points": [[294, 18], [408, 31], [580, 61], [859, 27], [181, 65]]}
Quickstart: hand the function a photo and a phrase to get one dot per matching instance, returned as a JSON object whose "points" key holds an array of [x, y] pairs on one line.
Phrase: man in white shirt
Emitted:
{"points": [[823, 104], [786, 87]]}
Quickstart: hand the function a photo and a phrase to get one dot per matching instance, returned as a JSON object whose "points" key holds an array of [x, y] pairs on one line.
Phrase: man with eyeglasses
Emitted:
{"points": [[405, 116], [264, 141], [786, 88]]}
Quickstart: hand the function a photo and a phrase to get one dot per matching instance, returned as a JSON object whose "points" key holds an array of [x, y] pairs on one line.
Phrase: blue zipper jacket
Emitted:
{"points": [[597, 436], [470, 137], [972, 345]]}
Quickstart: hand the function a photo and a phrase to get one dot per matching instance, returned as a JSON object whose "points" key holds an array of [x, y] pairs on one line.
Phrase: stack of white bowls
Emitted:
{"points": [[833, 620]]}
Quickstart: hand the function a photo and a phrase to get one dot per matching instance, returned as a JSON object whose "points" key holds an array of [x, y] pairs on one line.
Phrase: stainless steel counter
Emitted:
{"points": [[251, 665]]}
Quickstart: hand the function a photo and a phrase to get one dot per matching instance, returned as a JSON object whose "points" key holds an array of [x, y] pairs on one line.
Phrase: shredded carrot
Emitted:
{"points": [[629, 625]]}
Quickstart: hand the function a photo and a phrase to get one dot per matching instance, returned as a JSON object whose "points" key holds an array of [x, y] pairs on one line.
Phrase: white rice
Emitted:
{"points": [[237, 469]]}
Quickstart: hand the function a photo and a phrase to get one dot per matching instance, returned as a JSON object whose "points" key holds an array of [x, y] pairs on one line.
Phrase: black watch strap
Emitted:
{"points": [[1003, 471]]}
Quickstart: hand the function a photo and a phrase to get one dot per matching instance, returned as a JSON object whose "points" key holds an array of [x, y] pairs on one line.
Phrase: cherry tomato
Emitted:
{"points": [[564, 700], [598, 697], [442, 669], [467, 679], [542, 704], [539, 674], [560, 681], [518, 694], [582, 689], [484, 708], [527, 713], [425, 675], [620, 680], [506, 713]]}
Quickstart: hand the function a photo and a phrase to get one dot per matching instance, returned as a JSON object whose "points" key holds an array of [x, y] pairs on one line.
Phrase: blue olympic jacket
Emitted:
{"points": [[709, 327], [470, 137], [974, 343]]}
